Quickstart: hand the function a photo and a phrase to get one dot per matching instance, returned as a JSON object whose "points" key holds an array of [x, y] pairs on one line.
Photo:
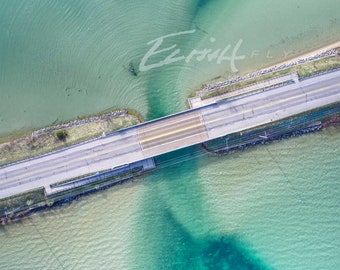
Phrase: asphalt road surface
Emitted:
{"points": [[170, 133]]}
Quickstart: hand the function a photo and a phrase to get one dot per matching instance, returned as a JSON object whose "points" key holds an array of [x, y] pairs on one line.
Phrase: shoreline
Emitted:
{"points": [[18, 134], [46, 204], [325, 52], [305, 123], [320, 50], [45, 140], [98, 119]]}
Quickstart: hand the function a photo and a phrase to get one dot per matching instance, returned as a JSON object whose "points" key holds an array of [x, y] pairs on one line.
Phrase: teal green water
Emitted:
{"points": [[61, 60], [272, 207]]}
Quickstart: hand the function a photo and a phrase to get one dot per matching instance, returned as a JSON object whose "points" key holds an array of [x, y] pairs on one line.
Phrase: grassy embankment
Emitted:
{"points": [[23, 201], [18, 205], [33, 145], [304, 70], [53, 138]]}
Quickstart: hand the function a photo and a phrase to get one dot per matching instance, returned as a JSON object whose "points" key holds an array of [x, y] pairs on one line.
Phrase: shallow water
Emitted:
{"points": [[272, 207], [61, 60]]}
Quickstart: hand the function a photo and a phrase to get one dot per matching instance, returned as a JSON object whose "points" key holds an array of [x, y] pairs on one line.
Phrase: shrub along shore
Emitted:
{"points": [[56, 137], [63, 135], [310, 65]]}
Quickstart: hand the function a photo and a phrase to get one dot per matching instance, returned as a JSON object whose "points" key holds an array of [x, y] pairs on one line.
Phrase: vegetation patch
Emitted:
{"points": [[60, 134], [304, 70], [57, 137], [318, 66], [24, 200]]}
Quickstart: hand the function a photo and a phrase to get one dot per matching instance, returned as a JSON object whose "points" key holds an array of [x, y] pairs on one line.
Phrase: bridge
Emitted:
{"points": [[170, 133]]}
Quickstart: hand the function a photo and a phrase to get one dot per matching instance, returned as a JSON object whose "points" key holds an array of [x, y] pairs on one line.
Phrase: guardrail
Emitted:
{"points": [[120, 131]]}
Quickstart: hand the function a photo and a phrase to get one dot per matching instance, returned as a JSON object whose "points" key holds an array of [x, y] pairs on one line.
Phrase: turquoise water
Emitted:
{"points": [[64, 59], [272, 207]]}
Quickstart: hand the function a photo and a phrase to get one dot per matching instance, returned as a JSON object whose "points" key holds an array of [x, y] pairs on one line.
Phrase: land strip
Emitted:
{"points": [[320, 61], [170, 133], [46, 140]]}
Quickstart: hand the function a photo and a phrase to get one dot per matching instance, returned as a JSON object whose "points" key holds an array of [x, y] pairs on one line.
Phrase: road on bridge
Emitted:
{"points": [[177, 131]]}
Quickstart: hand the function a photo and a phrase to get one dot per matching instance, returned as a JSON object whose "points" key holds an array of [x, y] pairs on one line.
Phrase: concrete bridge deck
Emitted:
{"points": [[177, 131]]}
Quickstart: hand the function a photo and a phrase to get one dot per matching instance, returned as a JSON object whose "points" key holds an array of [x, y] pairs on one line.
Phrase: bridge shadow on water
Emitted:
{"points": [[216, 251], [172, 210], [227, 252]]}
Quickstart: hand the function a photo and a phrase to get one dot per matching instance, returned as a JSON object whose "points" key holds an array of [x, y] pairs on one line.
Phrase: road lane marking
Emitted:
{"points": [[158, 124], [235, 114], [177, 140], [272, 103], [104, 152], [172, 132], [60, 165], [144, 135]]}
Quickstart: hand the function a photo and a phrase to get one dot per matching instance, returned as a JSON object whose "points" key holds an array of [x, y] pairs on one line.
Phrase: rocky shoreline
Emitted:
{"points": [[107, 116], [243, 144], [317, 56], [45, 140], [314, 128]]}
